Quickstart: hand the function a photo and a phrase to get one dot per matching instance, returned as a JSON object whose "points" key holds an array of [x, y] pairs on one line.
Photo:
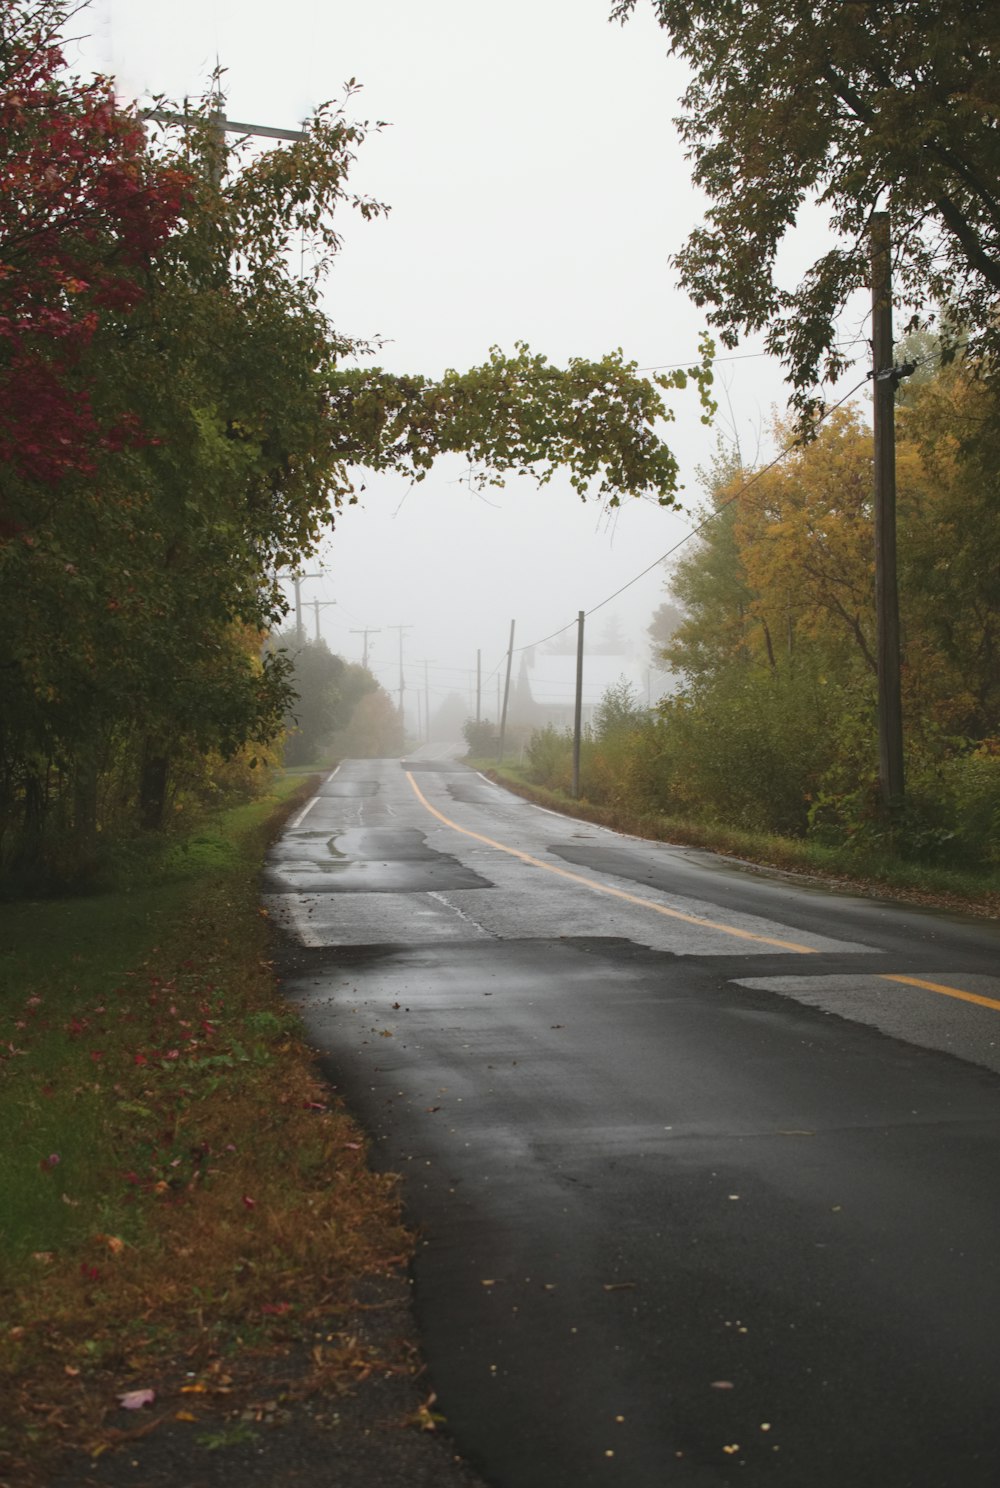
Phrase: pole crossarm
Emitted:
{"points": [[229, 126]]}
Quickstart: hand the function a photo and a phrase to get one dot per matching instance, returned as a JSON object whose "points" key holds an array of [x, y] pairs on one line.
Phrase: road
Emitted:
{"points": [[705, 1165]]}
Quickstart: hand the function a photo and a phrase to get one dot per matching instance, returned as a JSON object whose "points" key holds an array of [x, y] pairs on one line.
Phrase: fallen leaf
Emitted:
{"points": [[619, 1286], [136, 1399], [734, 1448], [721, 1385], [184, 1416]]}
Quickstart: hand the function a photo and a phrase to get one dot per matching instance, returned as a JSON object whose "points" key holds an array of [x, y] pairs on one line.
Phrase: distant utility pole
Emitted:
{"points": [[366, 632], [506, 695], [400, 629], [885, 380], [479, 685], [427, 697], [297, 581], [578, 704], [320, 604]]}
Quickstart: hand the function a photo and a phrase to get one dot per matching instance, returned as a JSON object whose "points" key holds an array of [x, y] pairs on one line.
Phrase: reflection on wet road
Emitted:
{"points": [[701, 1200]]}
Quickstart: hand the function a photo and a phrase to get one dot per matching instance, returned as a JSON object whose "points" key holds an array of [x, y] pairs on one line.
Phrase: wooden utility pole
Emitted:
{"points": [[885, 379], [479, 685], [578, 704], [297, 579], [400, 629], [219, 126], [320, 604], [425, 661], [506, 696], [366, 632]]}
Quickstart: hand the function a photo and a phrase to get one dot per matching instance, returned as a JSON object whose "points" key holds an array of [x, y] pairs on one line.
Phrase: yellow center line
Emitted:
{"points": [[600, 888], [676, 914], [909, 981]]}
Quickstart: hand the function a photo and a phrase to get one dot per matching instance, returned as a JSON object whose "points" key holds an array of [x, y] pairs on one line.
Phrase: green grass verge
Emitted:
{"points": [[177, 1184], [69, 967], [860, 870]]}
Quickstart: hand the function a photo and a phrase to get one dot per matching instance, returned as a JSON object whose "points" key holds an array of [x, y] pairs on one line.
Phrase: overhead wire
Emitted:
{"points": [[693, 532]]}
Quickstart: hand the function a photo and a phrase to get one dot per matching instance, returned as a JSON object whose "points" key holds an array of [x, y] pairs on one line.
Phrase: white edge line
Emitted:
{"points": [[297, 821]]}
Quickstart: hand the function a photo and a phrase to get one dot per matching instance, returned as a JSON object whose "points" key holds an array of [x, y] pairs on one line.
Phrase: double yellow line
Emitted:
{"points": [[676, 914]]}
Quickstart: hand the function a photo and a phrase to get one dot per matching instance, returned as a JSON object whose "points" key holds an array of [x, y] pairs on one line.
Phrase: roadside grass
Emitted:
{"points": [[177, 1183], [863, 870]]}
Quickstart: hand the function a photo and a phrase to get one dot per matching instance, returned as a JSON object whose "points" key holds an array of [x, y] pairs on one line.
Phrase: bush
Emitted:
{"points": [[481, 737], [549, 755], [973, 783]]}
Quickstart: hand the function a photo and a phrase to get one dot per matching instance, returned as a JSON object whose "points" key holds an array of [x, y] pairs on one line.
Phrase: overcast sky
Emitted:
{"points": [[537, 188]]}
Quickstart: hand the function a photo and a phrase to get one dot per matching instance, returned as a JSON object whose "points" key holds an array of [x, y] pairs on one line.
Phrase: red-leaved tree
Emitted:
{"points": [[83, 210]]}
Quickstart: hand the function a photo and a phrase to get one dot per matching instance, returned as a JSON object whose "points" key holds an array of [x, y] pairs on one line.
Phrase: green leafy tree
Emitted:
{"points": [[855, 105], [374, 730], [138, 584], [619, 710], [326, 690], [667, 619]]}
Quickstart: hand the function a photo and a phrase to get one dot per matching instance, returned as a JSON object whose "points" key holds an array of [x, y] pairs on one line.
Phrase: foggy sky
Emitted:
{"points": [[537, 188]]}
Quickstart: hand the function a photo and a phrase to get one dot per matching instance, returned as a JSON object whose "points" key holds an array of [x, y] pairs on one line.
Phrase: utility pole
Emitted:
{"points": [[320, 604], [427, 697], [479, 685], [578, 704], [885, 380], [218, 127], [297, 579], [366, 632], [506, 695], [400, 629]]}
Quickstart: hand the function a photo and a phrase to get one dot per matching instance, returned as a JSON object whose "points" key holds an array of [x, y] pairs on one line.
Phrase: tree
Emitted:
{"points": [[139, 562], [667, 618], [619, 710], [83, 212], [326, 691], [851, 104], [374, 731]]}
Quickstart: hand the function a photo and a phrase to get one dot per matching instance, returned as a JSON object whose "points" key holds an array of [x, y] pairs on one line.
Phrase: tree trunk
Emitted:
{"points": [[153, 788]]}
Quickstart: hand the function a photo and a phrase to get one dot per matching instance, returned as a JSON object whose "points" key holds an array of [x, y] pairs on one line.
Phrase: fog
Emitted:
{"points": [[537, 189]]}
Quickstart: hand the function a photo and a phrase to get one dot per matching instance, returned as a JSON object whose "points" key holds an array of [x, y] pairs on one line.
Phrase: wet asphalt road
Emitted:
{"points": [[706, 1196]]}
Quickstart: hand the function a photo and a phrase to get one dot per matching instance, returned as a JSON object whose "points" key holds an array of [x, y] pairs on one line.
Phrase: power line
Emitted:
{"points": [[757, 475]]}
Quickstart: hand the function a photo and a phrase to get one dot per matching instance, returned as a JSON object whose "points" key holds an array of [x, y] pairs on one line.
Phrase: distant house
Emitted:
{"points": [[545, 689]]}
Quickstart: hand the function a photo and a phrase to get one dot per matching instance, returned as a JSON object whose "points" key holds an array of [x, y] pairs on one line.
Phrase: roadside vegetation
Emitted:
{"points": [[159, 480], [183, 1197], [768, 748]]}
